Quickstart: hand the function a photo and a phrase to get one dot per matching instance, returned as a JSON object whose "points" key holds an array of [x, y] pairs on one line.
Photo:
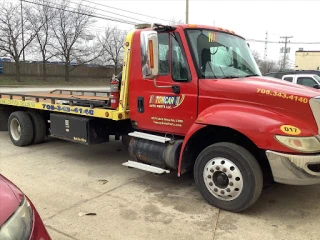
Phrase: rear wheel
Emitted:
{"points": [[20, 128], [228, 176], [39, 127]]}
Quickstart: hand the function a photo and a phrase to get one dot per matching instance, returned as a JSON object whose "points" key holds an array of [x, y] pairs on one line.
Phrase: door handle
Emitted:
{"points": [[141, 104], [176, 89]]}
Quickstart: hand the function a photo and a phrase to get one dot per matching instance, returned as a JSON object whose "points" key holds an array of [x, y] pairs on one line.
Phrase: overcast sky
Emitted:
{"points": [[251, 19]]}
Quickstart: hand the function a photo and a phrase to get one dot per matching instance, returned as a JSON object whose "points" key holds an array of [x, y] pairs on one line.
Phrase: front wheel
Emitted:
{"points": [[228, 176]]}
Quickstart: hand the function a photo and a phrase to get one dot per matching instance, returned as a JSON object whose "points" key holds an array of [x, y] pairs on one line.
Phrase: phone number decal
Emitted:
{"points": [[282, 95], [68, 109]]}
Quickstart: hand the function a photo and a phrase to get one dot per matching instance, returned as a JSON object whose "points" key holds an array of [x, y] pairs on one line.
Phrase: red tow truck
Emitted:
{"points": [[191, 98]]}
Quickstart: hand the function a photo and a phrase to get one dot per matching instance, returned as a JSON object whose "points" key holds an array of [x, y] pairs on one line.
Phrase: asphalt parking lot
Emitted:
{"points": [[65, 181]]}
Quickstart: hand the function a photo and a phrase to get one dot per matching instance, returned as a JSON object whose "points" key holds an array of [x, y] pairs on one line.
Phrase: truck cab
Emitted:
{"points": [[192, 63]]}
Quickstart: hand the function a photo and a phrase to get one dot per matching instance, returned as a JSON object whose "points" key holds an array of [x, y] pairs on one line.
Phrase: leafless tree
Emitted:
{"points": [[69, 24], [40, 16], [256, 57], [265, 65], [113, 41], [11, 41], [287, 65], [269, 66]]}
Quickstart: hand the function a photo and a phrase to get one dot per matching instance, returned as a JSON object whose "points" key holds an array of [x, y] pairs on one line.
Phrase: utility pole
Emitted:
{"points": [[265, 47], [22, 32], [285, 50], [187, 11]]}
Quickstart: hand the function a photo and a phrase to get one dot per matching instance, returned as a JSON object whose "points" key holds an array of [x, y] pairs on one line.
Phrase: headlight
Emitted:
{"points": [[19, 225], [302, 144]]}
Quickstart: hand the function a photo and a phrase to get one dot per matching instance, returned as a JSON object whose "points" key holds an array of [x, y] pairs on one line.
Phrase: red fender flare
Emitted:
{"points": [[194, 128]]}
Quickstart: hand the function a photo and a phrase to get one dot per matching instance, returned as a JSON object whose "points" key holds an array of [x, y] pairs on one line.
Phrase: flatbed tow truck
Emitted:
{"points": [[190, 98]]}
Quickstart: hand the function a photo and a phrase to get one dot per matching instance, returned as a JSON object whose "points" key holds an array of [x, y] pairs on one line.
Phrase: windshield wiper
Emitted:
{"points": [[229, 77], [252, 75]]}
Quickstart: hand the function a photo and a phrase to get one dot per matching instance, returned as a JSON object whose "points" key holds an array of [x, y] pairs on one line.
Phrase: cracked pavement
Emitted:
{"points": [[66, 180]]}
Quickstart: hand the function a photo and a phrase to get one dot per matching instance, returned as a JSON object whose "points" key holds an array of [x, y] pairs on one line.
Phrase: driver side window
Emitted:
{"points": [[179, 67], [164, 67], [172, 57]]}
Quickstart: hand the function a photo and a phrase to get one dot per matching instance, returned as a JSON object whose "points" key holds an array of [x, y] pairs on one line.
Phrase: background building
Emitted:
{"points": [[307, 60]]}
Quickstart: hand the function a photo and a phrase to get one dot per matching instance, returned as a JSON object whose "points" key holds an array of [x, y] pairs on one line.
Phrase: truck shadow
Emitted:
{"points": [[276, 202]]}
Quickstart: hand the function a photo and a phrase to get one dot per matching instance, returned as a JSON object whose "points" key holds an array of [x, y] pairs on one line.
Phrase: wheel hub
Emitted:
{"points": [[223, 179], [220, 179], [15, 129]]}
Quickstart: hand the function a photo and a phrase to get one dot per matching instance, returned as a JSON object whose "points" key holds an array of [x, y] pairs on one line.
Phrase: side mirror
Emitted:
{"points": [[316, 86], [149, 54]]}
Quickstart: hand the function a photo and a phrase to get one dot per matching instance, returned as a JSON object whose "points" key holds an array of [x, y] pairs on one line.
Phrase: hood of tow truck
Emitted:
{"points": [[260, 91]]}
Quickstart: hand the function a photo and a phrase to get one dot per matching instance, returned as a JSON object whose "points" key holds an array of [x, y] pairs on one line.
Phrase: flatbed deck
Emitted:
{"points": [[85, 103]]}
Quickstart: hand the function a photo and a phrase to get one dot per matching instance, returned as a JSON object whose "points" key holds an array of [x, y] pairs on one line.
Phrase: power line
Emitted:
{"points": [[102, 30], [97, 29], [85, 14], [119, 9], [263, 41], [120, 15], [102, 16]]}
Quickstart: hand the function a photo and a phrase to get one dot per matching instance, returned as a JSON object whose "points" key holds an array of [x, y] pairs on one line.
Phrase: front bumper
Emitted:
{"points": [[294, 169]]}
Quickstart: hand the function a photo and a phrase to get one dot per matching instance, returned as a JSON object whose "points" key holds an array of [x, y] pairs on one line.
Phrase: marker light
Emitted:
{"points": [[151, 54]]}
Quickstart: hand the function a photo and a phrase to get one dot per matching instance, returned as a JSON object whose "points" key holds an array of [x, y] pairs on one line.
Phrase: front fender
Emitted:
{"points": [[258, 124], [248, 118]]}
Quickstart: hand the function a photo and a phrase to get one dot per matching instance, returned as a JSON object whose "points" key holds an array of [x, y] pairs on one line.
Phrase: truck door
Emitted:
{"points": [[171, 106]]}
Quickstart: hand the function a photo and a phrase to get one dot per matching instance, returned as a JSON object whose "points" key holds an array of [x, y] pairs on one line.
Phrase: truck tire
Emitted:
{"points": [[228, 176], [39, 127], [20, 128], [4, 116]]}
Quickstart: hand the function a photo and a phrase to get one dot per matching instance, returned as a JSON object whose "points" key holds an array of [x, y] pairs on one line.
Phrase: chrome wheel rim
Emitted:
{"points": [[223, 179], [15, 129]]}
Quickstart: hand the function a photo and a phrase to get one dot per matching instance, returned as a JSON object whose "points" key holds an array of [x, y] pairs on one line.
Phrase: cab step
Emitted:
{"points": [[145, 167], [151, 137]]}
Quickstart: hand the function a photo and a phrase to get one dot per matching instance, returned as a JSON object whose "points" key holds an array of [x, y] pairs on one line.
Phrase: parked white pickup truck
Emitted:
{"points": [[308, 80]]}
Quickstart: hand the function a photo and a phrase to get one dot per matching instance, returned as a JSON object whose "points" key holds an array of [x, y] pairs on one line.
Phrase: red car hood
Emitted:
{"points": [[10, 198]]}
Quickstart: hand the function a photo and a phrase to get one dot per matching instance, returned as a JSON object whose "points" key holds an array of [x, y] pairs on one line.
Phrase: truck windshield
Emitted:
{"points": [[221, 55]]}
